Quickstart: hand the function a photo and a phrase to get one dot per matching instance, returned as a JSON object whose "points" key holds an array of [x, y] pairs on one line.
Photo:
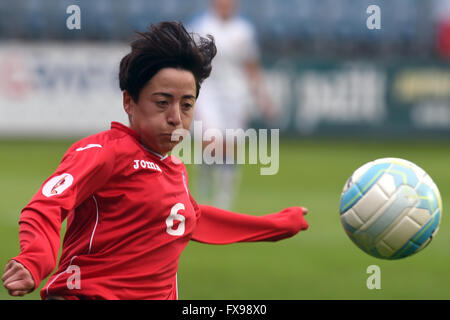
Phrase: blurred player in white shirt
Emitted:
{"points": [[231, 93]]}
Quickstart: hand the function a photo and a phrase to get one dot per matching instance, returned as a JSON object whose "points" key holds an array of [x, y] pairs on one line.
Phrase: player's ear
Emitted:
{"points": [[127, 101]]}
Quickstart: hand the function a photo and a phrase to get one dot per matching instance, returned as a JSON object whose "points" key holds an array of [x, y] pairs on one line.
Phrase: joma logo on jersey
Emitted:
{"points": [[146, 165]]}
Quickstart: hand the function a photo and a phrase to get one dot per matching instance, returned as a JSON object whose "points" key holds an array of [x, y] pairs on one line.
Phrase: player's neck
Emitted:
{"points": [[160, 156]]}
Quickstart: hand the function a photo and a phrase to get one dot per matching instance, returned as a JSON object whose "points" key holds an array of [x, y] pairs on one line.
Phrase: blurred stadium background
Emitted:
{"points": [[347, 95]]}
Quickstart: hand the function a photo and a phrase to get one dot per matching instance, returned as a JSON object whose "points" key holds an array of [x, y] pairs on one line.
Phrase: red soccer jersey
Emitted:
{"points": [[129, 216]]}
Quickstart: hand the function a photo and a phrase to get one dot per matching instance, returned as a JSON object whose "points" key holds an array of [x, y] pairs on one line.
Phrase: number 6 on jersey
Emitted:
{"points": [[174, 215]]}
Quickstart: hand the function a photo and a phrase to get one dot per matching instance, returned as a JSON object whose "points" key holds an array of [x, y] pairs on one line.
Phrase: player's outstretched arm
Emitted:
{"points": [[17, 279], [80, 173], [217, 226]]}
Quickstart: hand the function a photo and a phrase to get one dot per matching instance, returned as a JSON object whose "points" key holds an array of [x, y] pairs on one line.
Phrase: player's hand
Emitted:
{"points": [[17, 279], [292, 220], [298, 216], [305, 210], [269, 111]]}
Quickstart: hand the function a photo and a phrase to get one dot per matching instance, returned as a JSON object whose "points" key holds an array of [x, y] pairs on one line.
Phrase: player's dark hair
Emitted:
{"points": [[165, 45]]}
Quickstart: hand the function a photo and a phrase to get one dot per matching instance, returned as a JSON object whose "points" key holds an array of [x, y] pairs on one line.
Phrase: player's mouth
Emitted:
{"points": [[171, 136]]}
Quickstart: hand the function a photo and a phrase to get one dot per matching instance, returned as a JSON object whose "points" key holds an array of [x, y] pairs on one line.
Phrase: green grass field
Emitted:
{"points": [[321, 263]]}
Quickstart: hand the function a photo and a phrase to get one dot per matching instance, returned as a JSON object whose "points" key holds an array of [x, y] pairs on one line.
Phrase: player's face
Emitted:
{"points": [[225, 8], [166, 103]]}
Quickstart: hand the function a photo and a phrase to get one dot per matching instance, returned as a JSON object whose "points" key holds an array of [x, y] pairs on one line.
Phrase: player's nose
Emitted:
{"points": [[174, 115]]}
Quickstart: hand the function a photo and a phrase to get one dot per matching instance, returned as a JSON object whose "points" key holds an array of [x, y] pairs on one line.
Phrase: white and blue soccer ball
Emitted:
{"points": [[390, 208]]}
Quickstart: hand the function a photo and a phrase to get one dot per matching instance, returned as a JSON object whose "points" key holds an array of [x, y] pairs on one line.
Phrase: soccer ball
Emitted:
{"points": [[390, 208]]}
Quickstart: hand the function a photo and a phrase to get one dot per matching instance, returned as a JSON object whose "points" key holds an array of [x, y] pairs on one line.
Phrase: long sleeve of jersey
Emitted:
{"points": [[217, 226], [79, 174]]}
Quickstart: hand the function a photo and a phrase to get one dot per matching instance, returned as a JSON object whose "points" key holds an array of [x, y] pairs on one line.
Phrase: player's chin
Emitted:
{"points": [[167, 146]]}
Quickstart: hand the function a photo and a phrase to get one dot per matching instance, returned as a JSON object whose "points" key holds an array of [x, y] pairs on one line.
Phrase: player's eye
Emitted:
{"points": [[162, 103]]}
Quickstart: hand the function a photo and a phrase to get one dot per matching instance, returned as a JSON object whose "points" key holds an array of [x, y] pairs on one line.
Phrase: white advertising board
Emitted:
{"points": [[59, 89]]}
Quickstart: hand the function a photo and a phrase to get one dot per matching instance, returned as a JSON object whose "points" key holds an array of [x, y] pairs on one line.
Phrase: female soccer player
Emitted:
{"points": [[127, 203]]}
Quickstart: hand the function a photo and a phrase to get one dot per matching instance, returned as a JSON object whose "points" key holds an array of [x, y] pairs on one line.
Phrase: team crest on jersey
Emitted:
{"points": [[57, 185]]}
